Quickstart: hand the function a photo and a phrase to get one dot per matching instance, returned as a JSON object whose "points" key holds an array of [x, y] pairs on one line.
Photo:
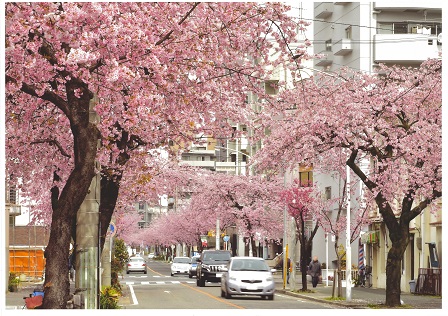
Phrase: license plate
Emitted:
{"points": [[218, 275], [252, 287]]}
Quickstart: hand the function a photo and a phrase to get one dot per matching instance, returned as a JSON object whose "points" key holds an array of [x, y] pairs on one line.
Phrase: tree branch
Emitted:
{"points": [[167, 36], [52, 142]]}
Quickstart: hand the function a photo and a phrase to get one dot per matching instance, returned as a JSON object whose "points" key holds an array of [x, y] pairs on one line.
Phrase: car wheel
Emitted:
{"points": [[145, 272], [172, 274], [222, 293], [190, 275], [228, 295], [271, 297], [127, 272]]}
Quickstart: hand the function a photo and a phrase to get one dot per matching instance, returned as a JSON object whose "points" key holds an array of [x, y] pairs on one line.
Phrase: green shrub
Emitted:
{"points": [[119, 261], [109, 298]]}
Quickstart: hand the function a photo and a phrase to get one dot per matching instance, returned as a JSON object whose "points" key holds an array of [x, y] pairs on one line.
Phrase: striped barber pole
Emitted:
{"points": [[360, 255]]}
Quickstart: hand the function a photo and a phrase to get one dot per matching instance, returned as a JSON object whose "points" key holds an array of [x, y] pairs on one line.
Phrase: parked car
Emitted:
{"points": [[211, 265], [151, 255], [136, 264], [248, 276], [193, 266], [180, 265]]}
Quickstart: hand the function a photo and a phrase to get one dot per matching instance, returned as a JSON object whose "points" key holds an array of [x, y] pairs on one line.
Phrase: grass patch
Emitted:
{"points": [[335, 299], [383, 306]]}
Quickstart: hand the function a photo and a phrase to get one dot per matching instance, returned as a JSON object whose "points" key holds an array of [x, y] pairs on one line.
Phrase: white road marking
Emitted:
{"points": [[134, 298]]}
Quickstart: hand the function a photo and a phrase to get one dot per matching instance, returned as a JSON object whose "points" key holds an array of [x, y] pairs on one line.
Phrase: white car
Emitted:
{"points": [[136, 264], [151, 255], [180, 265], [248, 276]]}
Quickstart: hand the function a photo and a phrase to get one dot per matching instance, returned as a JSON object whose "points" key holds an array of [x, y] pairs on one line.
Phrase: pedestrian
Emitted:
{"points": [[314, 269], [362, 276], [280, 266], [71, 265]]}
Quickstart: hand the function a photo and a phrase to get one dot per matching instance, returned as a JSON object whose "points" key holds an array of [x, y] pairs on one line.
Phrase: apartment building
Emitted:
{"points": [[361, 35]]}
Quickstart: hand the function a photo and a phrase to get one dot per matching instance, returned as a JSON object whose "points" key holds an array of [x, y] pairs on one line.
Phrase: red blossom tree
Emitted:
{"points": [[130, 77], [391, 120]]}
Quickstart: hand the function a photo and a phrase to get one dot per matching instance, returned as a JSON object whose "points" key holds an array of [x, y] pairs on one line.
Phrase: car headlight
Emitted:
{"points": [[269, 279], [232, 279]]}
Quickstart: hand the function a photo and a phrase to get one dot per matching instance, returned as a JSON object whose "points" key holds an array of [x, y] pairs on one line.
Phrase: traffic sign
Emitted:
{"points": [[112, 229]]}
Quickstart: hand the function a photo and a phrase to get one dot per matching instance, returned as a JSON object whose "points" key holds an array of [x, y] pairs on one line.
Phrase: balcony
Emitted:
{"points": [[325, 60], [405, 48], [323, 10], [342, 47], [14, 210]]}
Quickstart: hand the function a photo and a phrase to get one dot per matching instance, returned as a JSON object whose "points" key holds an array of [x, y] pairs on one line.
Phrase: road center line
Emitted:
{"points": [[212, 296], [154, 271], [134, 298]]}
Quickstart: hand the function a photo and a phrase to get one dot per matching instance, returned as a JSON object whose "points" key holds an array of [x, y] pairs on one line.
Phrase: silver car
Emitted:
{"points": [[248, 276], [180, 265], [136, 264]]}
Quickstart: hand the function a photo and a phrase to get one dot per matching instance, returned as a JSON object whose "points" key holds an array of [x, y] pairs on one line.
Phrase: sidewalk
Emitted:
{"points": [[360, 297], [14, 300]]}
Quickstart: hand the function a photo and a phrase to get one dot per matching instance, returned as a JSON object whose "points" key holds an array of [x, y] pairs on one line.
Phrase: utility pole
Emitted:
{"points": [[87, 233], [348, 249]]}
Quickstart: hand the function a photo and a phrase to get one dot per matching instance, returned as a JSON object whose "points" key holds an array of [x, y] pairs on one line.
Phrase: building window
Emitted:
{"points": [[327, 193], [306, 178], [348, 32], [271, 87], [328, 45], [141, 205], [13, 196]]}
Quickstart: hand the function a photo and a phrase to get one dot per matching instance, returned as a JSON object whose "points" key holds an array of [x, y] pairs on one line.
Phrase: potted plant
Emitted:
{"points": [[13, 282]]}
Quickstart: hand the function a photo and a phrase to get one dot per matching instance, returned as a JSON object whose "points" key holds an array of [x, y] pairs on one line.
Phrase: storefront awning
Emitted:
{"points": [[371, 237]]}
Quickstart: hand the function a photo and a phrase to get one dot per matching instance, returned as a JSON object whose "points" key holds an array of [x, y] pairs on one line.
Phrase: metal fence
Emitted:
{"points": [[429, 281]]}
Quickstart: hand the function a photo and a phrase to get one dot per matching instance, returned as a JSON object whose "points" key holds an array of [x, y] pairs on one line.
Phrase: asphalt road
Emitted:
{"points": [[159, 290]]}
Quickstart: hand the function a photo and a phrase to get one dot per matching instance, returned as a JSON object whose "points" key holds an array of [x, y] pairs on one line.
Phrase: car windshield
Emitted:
{"points": [[194, 259], [217, 256], [249, 265], [181, 260], [136, 260]]}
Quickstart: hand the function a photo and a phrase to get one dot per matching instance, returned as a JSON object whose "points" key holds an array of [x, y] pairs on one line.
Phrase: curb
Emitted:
{"points": [[324, 301]]}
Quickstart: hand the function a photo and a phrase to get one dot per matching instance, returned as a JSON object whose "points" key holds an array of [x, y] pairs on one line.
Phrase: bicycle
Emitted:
{"points": [[34, 300]]}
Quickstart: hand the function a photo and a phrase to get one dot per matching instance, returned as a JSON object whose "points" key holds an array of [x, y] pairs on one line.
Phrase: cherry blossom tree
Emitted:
{"points": [[108, 82], [251, 203], [392, 119], [301, 202]]}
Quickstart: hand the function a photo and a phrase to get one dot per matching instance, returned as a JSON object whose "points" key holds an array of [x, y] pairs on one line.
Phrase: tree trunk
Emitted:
{"points": [[66, 206], [305, 255], [109, 195], [393, 267]]}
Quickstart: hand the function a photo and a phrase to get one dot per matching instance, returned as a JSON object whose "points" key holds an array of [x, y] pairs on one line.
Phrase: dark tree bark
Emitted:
{"points": [[110, 187], [305, 248]]}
